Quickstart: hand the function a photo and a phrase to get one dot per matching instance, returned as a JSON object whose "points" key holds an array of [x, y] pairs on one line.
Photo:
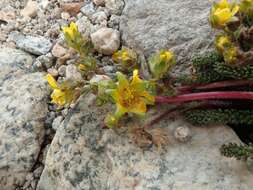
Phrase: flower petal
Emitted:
{"points": [[51, 81]]}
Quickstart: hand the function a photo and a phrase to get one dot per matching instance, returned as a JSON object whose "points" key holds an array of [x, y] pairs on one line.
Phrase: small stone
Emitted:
{"points": [[84, 25], [114, 6], [73, 73], [58, 51], [182, 134], [88, 10], [99, 18], [99, 2], [37, 45], [57, 122], [30, 9], [43, 61], [65, 15], [53, 72], [72, 8], [43, 4], [98, 78], [114, 21], [106, 40], [62, 70], [108, 69]]}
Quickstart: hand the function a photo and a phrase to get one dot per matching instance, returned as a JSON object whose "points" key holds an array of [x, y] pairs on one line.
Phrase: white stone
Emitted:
{"points": [[30, 9], [183, 134], [72, 73], [106, 40]]}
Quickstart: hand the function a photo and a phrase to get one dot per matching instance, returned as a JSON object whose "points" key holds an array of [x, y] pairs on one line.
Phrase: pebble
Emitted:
{"points": [[84, 25], [30, 9], [53, 72], [88, 10], [106, 40], [72, 73], [43, 61], [37, 45], [114, 6], [62, 70], [72, 8], [65, 15], [58, 51], [99, 18], [98, 78], [182, 134], [99, 2]]}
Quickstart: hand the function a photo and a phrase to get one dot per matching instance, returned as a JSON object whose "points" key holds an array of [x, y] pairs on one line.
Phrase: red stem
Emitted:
{"points": [[205, 96], [222, 84]]}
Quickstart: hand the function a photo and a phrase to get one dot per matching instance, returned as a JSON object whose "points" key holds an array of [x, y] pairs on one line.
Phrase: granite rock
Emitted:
{"points": [[85, 156], [181, 26], [23, 99], [37, 45]]}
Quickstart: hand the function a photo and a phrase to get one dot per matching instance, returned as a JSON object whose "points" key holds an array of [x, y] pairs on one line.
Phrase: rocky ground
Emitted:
{"points": [[44, 148]]}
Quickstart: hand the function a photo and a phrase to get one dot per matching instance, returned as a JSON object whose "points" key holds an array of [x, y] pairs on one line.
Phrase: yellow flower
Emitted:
{"points": [[222, 42], [130, 97], [126, 57], [59, 95], [70, 31], [165, 55], [161, 63], [230, 55], [222, 13]]}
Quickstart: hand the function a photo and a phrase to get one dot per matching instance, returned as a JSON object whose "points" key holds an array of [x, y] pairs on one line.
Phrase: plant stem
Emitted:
{"points": [[221, 84], [205, 96]]}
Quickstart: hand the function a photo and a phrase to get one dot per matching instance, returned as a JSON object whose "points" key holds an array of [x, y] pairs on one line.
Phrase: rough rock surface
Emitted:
{"points": [[181, 26], [23, 99], [106, 40], [37, 45], [84, 156]]}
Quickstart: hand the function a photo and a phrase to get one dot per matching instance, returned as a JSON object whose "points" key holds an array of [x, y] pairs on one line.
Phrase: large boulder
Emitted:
{"points": [[181, 26], [23, 99], [85, 156]]}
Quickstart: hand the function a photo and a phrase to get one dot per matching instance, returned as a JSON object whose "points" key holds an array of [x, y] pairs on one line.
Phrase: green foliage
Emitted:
{"points": [[219, 116], [240, 152], [211, 68]]}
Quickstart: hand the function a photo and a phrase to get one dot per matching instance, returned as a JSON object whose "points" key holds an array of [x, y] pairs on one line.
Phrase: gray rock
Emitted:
{"points": [[85, 156], [43, 62], [36, 45], [88, 10], [115, 6], [23, 99], [13, 64], [106, 40], [84, 25], [181, 26], [72, 73]]}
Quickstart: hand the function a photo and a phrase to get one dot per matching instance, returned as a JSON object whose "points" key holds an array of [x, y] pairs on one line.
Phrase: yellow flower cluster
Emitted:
{"points": [[130, 97], [222, 13], [225, 46], [161, 63], [126, 57], [60, 96]]}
